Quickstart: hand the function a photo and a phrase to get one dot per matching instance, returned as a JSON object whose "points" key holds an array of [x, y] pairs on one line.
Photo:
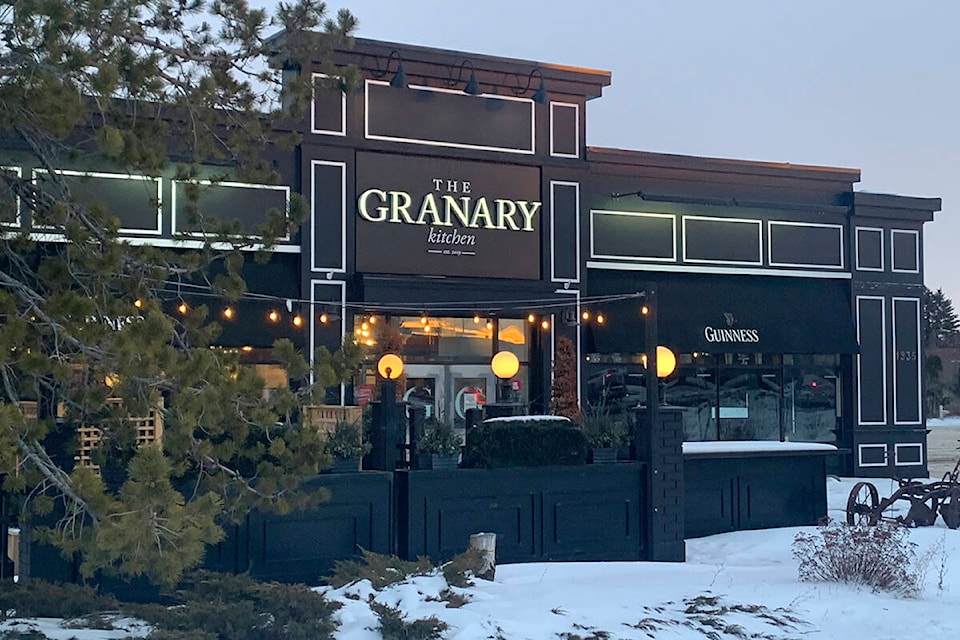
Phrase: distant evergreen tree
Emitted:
{"points": [[941, 326], [563, 393]]}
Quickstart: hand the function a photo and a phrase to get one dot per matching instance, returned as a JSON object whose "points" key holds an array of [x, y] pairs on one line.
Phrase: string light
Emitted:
{"points": [[423, 319], [273, 316], [489, 325], [373, 320], [644, 310], [585, 316], [297, 320], [324, 318], [138, 303], [365, 326], [531, 318], [228, 313], [545, 324], [476, 318], [426, 328], [600, 318], [182, 308]]}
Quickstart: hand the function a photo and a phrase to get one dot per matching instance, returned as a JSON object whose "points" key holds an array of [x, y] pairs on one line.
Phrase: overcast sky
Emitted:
{"points": [[867, 84]]}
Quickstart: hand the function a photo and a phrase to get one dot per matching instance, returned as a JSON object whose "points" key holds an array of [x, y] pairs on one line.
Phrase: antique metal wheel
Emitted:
{"points": [[863, 505]]}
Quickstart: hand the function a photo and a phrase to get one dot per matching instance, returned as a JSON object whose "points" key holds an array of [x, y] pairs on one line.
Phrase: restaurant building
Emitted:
{"points": [[456, 211], [454, 189]]}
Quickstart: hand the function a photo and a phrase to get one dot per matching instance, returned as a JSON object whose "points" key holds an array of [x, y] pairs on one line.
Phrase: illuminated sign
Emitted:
{"points": [[437, 217]]}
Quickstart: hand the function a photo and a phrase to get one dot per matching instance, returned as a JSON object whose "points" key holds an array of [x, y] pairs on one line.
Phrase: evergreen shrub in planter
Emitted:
{"points": [[605, 432], [439, 447], [346, 446], [525, 441]]}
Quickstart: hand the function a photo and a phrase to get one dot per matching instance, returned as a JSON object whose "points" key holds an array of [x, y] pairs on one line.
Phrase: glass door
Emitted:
{"points": [[749, 398], [448, 390]]}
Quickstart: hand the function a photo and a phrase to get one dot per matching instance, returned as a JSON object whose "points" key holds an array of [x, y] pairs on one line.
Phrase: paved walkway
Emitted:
{"points": [[943, 449]]}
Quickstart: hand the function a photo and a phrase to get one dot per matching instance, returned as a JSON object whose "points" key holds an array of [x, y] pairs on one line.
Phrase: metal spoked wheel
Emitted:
{"points": [[863, 505]]}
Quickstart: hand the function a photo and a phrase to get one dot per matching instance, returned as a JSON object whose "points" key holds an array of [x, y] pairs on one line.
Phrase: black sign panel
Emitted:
{"points": [[440, 217], [433, 117], [134, 200], [720, 240], [872, 369], [9, 203], [906, 353], [246, 204], [622, 234], [800, 245]]}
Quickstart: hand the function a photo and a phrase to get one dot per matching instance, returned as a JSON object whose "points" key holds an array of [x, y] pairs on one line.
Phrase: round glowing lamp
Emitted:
{"points": [[505, 365], [390, 366], [666, 361]]}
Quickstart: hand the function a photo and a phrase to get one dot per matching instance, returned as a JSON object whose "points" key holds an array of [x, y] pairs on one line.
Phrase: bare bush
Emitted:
{"points": [[880, 557]]}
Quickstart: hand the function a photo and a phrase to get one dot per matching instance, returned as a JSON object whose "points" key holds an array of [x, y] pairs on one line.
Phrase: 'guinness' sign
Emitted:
{"points": [[731, 333]]}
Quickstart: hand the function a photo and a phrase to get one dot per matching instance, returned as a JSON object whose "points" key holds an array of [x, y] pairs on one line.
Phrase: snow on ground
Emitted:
{"points": [[735, 585], [949, 421]]}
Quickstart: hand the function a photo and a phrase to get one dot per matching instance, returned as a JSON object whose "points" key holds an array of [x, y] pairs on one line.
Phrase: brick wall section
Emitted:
{"points": [[663, 454]]}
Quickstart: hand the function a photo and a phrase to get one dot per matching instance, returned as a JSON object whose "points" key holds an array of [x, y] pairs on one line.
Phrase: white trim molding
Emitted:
{"points": [[861, 463], [313, 107], [576, 130], [640, 214], [883, 356], [856, 242], [451, 145], [804, 265], [232, 185], [758, 223], [342, 267], [893, 250], [553, 226]]}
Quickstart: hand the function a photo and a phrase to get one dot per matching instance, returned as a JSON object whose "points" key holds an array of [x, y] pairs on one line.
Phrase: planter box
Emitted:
{"points": [[302, 546], [603, 455], [345, 465], [439, 462], [759, 487], [585, 513]]}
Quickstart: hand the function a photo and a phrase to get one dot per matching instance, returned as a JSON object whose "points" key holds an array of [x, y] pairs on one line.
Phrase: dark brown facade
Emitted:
{"points": [[452, 197], [791, 300]]}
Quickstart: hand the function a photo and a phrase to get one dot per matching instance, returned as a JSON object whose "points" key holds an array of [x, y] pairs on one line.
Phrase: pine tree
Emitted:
{"points": [[941, 326], [147, 88], [563, 393]]}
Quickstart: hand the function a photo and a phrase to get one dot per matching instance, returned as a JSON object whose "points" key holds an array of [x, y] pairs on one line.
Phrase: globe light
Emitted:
{"points": [[666, 361], [390, 366], [505, 364]]}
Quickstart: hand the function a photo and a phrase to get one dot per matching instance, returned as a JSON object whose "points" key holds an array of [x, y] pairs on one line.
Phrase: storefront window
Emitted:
{"points": [[810, 398], [734, 396], [693, 388], [447, 360], [749, 403], [512, 336], [445, 339]]}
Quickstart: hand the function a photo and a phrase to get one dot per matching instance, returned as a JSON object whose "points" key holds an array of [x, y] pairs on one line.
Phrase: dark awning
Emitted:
{"points": [[732, 314]]}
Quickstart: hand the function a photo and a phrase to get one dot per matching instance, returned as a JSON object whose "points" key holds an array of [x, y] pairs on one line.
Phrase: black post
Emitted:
{"points": [[662, 450], [393, 428], [650, 342], [416, 418]]}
